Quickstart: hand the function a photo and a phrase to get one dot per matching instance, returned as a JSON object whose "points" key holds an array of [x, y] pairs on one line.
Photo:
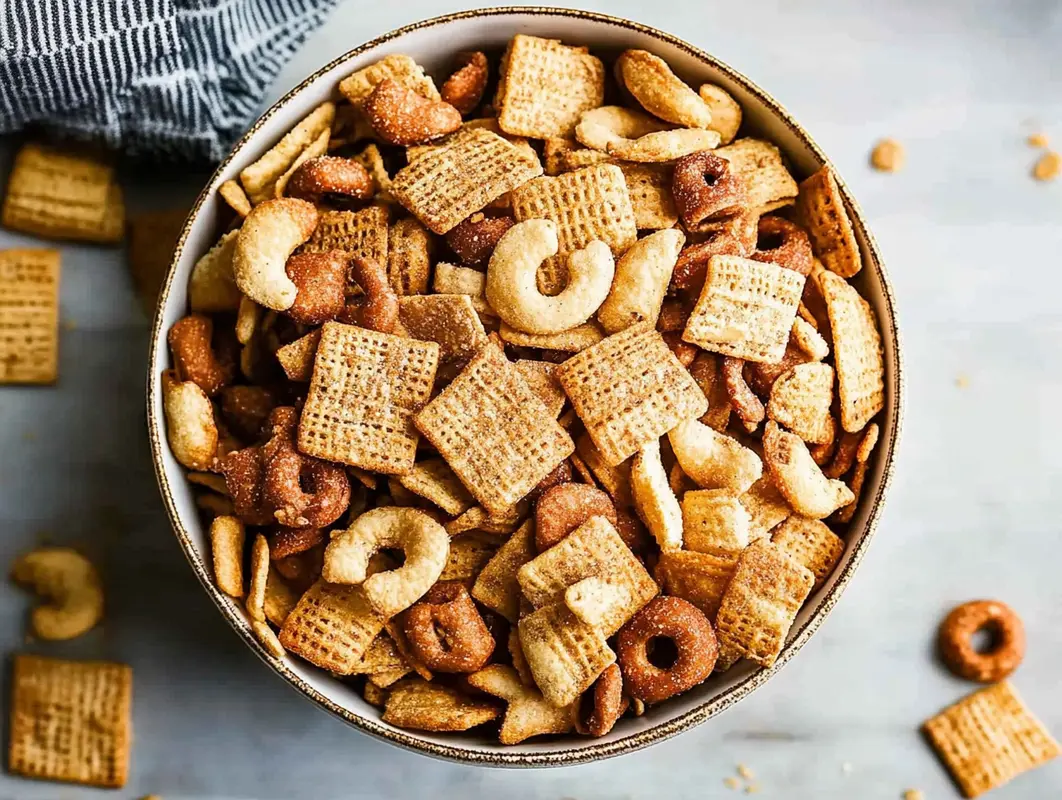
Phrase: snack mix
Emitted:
{"points": [[518, 408]]}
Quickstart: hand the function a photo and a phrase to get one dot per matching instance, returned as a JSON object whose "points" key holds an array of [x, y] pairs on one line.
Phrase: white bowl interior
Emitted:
{"points": [[433, 45]]}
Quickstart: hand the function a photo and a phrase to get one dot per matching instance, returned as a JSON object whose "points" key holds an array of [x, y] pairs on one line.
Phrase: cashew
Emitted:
{"points": [[190, 425], [423, 540], [268, 236], [713, 460], [211, 286], [512, 288], [799, 478], [600, 127], [725, 110], [663, 145], [72, 586], [642, 277], [660, 91]]}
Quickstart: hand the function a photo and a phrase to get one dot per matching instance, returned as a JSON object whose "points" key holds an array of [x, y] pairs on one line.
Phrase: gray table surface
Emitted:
{"points": [[972, 244]]}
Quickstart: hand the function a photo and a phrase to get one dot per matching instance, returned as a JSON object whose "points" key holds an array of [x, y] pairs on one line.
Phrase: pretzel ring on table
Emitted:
{"points": [[1008, 641], [706, 187], [781, 242], [695, 644], [377, 308], [321, 279], [446, 631], [327, 175], [563, 508], [606, 702], [194, 357]]}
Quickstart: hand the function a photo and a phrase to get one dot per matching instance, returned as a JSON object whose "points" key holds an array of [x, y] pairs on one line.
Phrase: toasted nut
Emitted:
{"points": [[601, 127], [474, 239], [70, 584], [247, 318], [784, 243], [401, 116], [270, 233], [245, 409], [377, 307], [725, 110], [654, 148], [659, 91], [212, 286], [321, 279], [798, 477], [284, 542], [706, 187], [887, 156], [713, 460], [562, 509], [194, 359], [464, 89], [190, 426], [330, 175], [641, 280], [512, 290]]}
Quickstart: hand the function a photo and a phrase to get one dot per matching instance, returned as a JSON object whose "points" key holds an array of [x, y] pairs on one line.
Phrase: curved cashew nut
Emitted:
{"points": [[512, 289], [267, 237], [799, 478], [642, 276], [70, 584], [600, 127], [190, 425], [714, 460], [423, 540], [660, 91]]}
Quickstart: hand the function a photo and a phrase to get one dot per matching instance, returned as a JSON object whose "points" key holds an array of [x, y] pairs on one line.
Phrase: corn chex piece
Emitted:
{"points": [[469, 554], [616, 480], [746, 309], [474, 168], [29, 316], [801, 399], [653, 497], [451, 279], [580, 158], [332, 627], [366, 387], [553, 151], [593, 599], [592, 549], [362, 234], [587, 205], [409, 257], [700, 578], [714, 521], [759, 165], [821, 209], [496, 586], [760, 603], [397, 67], [766, 506], [570, 341], [649, 186], [435, 481], [260, 178], [448, 319], [71, 720], [382, 655], [628, 390], [528, 713], [988, 738], [811, 543], [565, 654], [280, 598], [416, 704], [371, 158], [296, 358], [857, 352], [545, 87], [493, 431], [63, 196], [540, 379]]}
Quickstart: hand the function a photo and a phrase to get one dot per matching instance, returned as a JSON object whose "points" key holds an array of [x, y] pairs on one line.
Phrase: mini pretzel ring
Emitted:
{"points": [[784, 243], [1008, 641], [377, 308], [284, 542], [423, 540], [563, 508], [692, 265], [321, 279], [327, 175], [606, 704], [706, 187], [695, 644], [447, 632], [194, 358], [512, 287]]}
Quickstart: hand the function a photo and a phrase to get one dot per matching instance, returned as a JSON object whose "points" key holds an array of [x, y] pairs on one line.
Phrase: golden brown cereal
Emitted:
{"points": [[402, 69], [801, 399], [233, 194], [887, 156], [416, 704], [152, 237], [260, 178], [433, 480], [360, 234], [614, 479], [649, 186], [464, 88], [469, 554], [331, 627], [798, 477], [496, 586], [565, 654], [297, 358], [1005, 652], [29, 316], [714, 521], [811, 543], [409, 250], [528, 713], [448, 319], [699, 578], [541, 379], [822, 212], [227, 536], [767, 182]]}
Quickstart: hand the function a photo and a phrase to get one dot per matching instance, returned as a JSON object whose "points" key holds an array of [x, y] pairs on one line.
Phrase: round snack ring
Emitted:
{"points": [[563, 508], [377, 308], [401, 116], [784, 243], [330, 175], [957, 648], [464, 88], [424, 541], [474, 239], [321, 279], [743, 400], [692, 265], [446, 632], [512, 286], [194, 359], [705, 187], [266, 239], [606, 704], [695, 645], [284, 542]]}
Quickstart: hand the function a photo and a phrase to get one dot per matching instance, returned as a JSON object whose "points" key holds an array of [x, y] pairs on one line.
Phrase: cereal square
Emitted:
{"points": [[759, 164], [397, 67], [332, 627], [29, 316], [362, 234], [810, 542], [821, 209], [448, 319], [699, 578], [649, 186], [565, 654]]}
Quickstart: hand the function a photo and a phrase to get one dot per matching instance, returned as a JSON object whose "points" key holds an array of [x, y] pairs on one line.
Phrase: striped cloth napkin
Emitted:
{"points": [[174, 79]]}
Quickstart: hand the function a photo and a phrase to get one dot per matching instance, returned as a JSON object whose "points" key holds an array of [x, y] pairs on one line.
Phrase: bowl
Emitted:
{"points": [[432, 43]]}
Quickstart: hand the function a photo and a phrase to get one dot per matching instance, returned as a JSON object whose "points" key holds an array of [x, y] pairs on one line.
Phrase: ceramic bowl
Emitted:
{"points": [[432, 43]]}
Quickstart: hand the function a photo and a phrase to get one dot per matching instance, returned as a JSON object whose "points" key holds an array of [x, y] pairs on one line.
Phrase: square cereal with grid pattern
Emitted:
{"points": [[988, 738], [401, 69], [746, 309], [362, 234], [759, 165], [545, 86], [365, 389], [493, 431], [810, 542], [629, 389], [332, 627], [699, 578], [472, 169], [649, 186], [29, 316], [70, 720]]}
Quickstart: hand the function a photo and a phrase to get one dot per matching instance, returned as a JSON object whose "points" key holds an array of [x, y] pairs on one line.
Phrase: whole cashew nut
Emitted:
{"points": [[610, 125], [70, 584], [424, 541], [642, 277], [190, 426], [512, 289], [267, 237], [660, 91]]}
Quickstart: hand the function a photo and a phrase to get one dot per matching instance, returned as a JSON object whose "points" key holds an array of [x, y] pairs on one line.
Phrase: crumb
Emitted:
{"points": [[731, 783], [1037, 140], [887, 156], [69, 324], [1048, 167], [745, 772], [846, 767], [913, 794], [962, 381], [752, 788]]}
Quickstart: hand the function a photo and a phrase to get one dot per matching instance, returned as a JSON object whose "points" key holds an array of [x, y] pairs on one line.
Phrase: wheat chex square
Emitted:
{"points": [[362, 234], [493, 431], [332, 627], [821, 209], [365, 389], [29, 316], [809, 542]]}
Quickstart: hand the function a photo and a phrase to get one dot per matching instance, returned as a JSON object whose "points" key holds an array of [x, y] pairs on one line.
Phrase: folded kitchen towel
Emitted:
{"points": [[177, 79]]}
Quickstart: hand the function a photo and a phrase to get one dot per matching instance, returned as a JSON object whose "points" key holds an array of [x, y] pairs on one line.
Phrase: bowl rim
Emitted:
{"points": [[563, 754]]}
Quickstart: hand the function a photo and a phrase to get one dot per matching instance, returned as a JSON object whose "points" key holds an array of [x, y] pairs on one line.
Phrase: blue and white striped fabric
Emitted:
{"points": [[179, 79]]}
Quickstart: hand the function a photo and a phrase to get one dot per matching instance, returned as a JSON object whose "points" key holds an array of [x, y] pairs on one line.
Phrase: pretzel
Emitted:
{"points": [[706, 187], [743, 400], [401, 116], [321, 280], [985, 666], [242, 470], [694, 640], [606, 704], [784, 243], [562, 509], [692, 264], [194, 357], [377, 308], [320, 177], [446, 632], [272, 230], [284, 542], [464, 88], [474, 239]]}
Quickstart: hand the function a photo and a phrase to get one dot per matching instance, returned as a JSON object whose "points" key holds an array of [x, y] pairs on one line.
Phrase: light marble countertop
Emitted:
{"points": [[972, 244]]}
